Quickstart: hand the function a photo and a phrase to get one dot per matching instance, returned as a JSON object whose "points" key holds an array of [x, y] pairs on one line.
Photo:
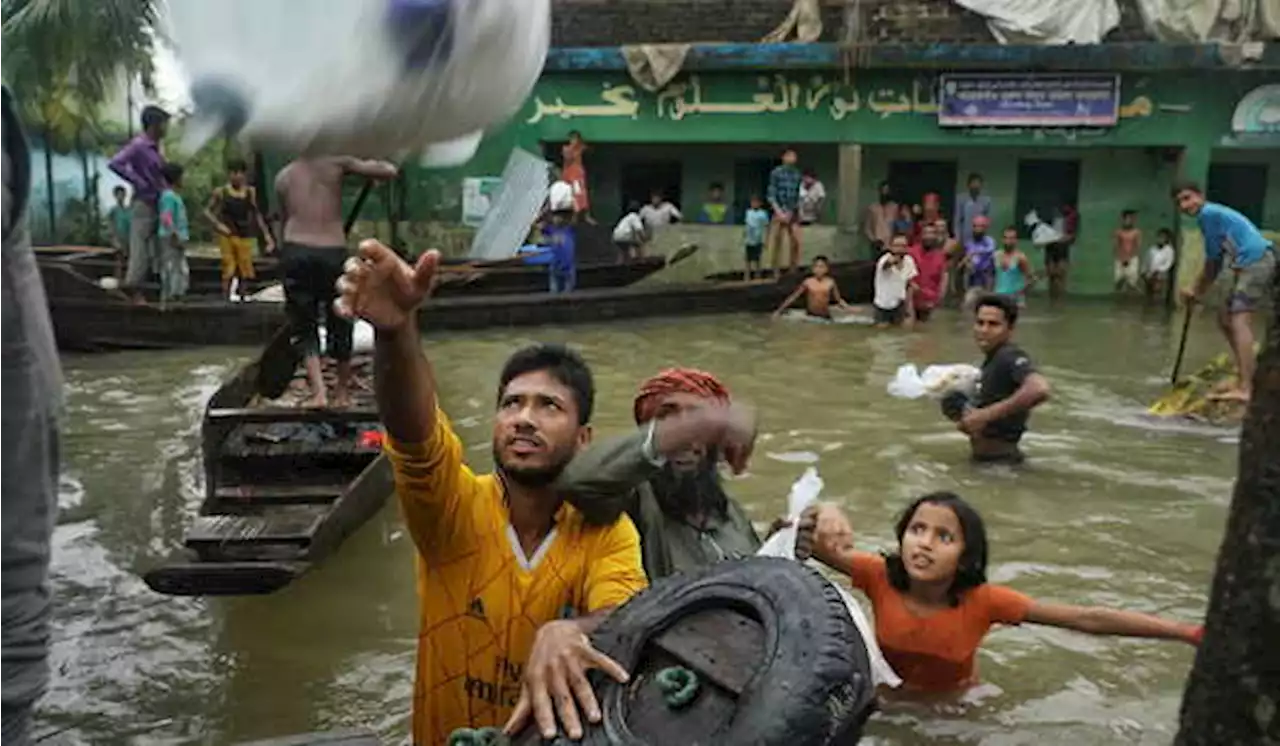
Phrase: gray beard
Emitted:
{"points": [[686, 494]]}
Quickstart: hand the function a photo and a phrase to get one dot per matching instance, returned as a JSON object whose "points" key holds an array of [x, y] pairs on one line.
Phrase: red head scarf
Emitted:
{"points": [[672, 381]]}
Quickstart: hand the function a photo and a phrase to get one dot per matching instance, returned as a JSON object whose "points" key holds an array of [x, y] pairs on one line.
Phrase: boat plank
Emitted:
{"points": [[284, 527], [231, 415], [716, 643], [273, 495]]}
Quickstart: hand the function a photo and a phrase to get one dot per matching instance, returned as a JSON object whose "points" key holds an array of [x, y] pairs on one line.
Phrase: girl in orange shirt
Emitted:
{"points": [[933, 604]]}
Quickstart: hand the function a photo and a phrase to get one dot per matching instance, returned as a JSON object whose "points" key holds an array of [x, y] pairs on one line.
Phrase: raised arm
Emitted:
{"points": [[1097, 620], [601, 480], [380, 170]]}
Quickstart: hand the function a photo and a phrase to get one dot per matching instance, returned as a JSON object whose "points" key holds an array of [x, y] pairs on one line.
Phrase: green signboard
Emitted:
{"points": [[874, 107]]}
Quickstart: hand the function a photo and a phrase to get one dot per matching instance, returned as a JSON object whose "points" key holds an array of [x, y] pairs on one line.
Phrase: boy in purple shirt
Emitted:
{"points": [[141, 164]]}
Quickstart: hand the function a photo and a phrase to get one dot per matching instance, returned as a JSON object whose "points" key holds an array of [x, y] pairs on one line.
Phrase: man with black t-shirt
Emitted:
{"points": [[1008, 390]]}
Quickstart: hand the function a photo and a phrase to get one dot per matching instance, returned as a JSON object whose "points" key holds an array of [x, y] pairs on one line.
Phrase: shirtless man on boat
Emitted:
{"points": [[311, 258]]}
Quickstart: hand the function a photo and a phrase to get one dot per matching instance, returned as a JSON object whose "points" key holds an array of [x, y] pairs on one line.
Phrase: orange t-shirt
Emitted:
{"points": [[482, 600], [934, 652]]}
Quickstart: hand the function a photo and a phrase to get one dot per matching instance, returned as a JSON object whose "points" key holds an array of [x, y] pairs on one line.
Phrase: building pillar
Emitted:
{"points": [[1193, 165], [848, 214]]}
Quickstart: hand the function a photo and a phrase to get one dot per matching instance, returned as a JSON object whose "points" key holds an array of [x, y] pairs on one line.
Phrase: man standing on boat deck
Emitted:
{"points": [[32, 383], [502, 559], [314, 246], [140, 163], [665, 474]]}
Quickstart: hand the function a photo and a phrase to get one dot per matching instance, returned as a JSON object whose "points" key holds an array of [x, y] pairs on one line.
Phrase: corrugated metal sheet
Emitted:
{"points": [[520, 199]]}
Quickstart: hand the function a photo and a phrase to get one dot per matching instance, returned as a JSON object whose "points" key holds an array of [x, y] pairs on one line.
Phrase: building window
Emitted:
{"points": [[639, 179], [1241, 186], [912, 180], [750, 177], [1045, 186]]}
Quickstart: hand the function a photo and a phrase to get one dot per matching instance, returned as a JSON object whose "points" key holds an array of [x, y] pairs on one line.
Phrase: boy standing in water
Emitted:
{"points": [[1236, 253], [819, 290], [757, 226], [233, 210], [894, 285], [1128, 243], [1159, 263], [174, 234], [1009, 388], [1013, 269]]}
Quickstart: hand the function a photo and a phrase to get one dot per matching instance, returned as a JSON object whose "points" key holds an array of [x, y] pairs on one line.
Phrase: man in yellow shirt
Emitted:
{"points": [[510, 578]]}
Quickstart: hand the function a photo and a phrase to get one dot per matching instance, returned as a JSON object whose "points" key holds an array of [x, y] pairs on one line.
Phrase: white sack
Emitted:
{"points": [[936, 381], [1048, 22], [370, 78], [804, 492]]}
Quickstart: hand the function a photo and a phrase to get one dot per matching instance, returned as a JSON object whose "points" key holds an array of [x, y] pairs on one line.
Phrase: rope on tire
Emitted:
{"points": [[478, 737], [679, 686]]}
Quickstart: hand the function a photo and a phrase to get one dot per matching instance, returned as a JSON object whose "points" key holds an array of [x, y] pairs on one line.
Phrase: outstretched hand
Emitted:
{"points": [[557, 672], [381, 288]]}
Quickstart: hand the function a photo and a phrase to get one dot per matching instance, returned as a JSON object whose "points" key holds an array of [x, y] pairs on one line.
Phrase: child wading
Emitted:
{"points": [[174, 234], [819, 290], [932, 602]]}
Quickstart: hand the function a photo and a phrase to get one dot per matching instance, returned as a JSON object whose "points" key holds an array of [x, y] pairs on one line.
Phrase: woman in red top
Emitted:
{"points": [[933, 604]]}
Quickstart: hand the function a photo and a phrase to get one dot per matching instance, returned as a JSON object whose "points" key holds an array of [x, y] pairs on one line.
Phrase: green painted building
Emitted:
{"points": [[726, 117]]}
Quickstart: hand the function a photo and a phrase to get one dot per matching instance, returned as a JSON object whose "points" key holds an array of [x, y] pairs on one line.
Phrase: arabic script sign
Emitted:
{"points": [[979, 100]]}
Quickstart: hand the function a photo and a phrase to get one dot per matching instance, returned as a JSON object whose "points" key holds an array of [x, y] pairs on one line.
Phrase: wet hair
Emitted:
{"points": [[971, 571], [1003, 302], [237, 165], [172, 173], [1185, 186], [821, 258], [562, 364], [153, 115]]}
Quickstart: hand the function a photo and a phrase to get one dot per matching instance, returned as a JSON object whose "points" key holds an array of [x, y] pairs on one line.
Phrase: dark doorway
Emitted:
{"points": [[1045, 186], [1241, 186], [750, 177], [639, 179], [911, 180]]}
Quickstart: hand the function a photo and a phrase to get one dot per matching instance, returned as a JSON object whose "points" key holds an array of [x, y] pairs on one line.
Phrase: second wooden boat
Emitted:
{"points": [[285, 486]]}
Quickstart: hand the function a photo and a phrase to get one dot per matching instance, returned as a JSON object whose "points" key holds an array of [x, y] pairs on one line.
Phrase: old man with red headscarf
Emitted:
{"points": [[665, 474]]}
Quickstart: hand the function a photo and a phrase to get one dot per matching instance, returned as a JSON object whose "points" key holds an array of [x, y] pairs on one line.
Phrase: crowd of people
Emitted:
{"points": [[518, 567]]}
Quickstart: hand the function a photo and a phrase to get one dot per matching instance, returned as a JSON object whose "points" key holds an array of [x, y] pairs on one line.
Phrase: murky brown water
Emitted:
{"points": [[1115, 510]]}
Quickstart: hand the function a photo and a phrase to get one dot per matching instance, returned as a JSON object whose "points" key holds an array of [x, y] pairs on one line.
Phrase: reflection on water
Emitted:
{"points": [[1114, 509]]}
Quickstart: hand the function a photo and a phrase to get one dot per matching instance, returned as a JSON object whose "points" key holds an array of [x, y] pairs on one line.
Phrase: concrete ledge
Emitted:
{"points": [[1148, 56]]}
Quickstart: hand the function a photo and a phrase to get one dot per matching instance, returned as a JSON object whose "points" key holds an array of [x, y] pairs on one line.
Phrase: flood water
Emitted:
{"points": [[1113, 510]]}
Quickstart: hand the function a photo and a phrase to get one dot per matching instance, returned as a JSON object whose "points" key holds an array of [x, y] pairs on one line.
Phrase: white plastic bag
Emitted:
{"points": [[804, 492], [936, 381], [369, 78]]}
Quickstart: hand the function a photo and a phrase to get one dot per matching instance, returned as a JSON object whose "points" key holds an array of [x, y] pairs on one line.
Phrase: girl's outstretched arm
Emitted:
{"points": [[1096, 620]]}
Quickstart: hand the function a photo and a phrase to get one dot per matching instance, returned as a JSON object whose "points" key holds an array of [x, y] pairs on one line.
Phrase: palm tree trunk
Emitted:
{"points": [[1233, 693]]}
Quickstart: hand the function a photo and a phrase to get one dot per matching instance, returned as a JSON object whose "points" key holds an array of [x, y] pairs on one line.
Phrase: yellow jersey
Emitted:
{"points": [[482, 600]]}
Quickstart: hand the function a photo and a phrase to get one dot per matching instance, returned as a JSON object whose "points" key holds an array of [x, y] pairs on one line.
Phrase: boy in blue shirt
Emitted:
{"points": [[1234, 244], [757, 224], [174, 232]]}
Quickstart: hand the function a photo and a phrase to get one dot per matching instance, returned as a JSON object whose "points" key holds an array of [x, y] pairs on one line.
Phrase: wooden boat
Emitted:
{"points": [[481, 278], [285, 485]]}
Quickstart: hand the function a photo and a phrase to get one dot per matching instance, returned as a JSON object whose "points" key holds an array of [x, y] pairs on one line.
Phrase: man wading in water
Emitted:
{"points": [[664, 475], [501, 558], [314, 248], [1008, 390]]}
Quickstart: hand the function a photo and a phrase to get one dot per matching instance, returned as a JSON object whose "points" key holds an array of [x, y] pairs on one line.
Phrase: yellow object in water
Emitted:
{"points": [[1192, 396]]}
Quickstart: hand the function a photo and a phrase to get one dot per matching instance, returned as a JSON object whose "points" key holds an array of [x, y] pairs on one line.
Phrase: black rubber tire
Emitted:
{"points": [[813, 686]]}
